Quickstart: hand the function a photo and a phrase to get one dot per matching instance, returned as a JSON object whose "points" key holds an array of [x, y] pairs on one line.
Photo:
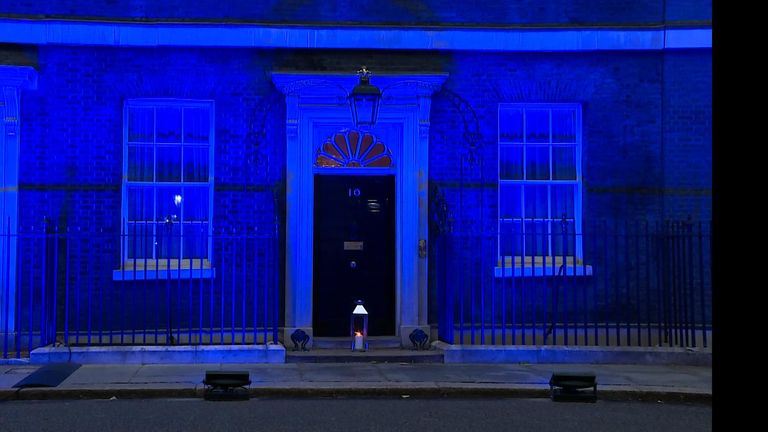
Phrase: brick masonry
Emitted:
{"points": [[646, 119]]}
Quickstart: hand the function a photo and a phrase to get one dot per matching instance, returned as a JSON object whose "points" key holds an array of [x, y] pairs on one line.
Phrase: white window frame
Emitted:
{"points": [[538, 266], [132, 269]]}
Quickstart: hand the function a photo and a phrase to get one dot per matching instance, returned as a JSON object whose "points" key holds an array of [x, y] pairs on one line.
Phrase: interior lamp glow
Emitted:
{"points": [[364, 100], [358, 327]]}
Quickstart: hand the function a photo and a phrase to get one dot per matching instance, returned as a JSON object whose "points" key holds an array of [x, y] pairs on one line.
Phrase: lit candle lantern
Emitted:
{"points": [[358, 341], [358, 327]]}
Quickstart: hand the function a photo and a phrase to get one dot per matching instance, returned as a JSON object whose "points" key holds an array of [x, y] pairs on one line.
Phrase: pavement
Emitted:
{"points": [[398, 379]]}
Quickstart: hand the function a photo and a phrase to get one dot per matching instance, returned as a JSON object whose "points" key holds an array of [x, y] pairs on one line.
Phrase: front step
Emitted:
{"points": [[381, 355], [342, 343]]}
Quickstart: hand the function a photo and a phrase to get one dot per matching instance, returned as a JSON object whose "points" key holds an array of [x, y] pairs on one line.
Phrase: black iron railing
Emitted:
{"points": [[81, 287], [637, 283]]}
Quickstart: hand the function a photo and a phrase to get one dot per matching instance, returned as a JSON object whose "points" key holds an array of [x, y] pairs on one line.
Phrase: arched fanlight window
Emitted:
{"points": [[353, 149]]}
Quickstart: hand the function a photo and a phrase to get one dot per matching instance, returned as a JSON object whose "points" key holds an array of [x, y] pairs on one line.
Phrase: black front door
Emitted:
{"points": [[354, 253]]}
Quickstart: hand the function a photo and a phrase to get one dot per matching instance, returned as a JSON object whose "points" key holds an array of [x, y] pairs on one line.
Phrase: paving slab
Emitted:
{"points": [[341, 372], [391, 379], [101, 375]]}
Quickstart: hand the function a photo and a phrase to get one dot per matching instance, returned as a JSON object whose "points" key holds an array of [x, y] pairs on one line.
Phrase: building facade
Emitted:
{"points": [[191, 174]]}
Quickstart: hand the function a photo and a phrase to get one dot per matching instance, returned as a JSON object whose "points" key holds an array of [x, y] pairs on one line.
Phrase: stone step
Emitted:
{"points": [[341, 343], [385, 355]]}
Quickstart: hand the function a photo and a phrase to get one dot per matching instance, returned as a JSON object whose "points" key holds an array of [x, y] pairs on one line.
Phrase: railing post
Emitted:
{"points": [[31, 290], [534, 254], [564, 226], [616, 276], [43, 290], [448, 287], [178, 282], [627, 279], [147, 248], [204, 252], [79, 254], [169, 309], [232, 284], [701, 286], [276, 287], [647, 282], [211, 291], [584, 281], [513, 293], [53, 325], [68, 239], [689, 336], [550, 287], [7, 284], [606, 274], [96, 275], [636, 237], [593, 282], [244, 285], [676, 283], [18, 297]]}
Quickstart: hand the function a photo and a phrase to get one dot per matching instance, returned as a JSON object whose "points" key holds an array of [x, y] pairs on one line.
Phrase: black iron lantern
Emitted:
{"points": [[358, 327], [364, 100]]}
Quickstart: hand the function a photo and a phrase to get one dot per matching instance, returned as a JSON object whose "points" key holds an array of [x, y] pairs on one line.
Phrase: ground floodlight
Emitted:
{"points": [[570, 387], [226, 385]]}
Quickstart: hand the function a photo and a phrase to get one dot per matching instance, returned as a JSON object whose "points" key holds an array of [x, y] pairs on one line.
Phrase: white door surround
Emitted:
{"points": [[317, 102]]}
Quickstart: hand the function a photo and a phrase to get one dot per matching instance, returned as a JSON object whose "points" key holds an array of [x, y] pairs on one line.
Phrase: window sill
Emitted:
{"points": [[138, 270], [536, 266]]}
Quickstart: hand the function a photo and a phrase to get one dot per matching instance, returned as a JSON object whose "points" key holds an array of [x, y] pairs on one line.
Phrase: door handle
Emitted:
{"points": [[422, 248]]}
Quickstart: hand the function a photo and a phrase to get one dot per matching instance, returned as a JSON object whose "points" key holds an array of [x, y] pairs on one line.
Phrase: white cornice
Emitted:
{"points": [[39, 32]]}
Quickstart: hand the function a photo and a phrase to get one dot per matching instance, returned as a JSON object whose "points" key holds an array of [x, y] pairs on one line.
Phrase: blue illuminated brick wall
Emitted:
{"points": [[687, 155], [688, 10], [433, 12], [646, 128], [71, 159], [621, 97]]}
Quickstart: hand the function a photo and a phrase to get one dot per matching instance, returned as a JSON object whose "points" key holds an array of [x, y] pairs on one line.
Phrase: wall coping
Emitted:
{"points": [[119, 34]]}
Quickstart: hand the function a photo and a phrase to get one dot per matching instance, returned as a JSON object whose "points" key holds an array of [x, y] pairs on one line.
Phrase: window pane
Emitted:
{"points": [[140, 124], [196, 164], [195, 203], [139, 239], [563, 243], [169, 163], [511, 125], [169, 125], [196, 241], [197, 125], [536, 205], [168, 240], [564, 162], [169, 202], [509, 201], [537, 162], [563, 199], [140, 203], [564, 126], [511, 240], [140, 163], [511, 162], [537, 126], [536, 243]]}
